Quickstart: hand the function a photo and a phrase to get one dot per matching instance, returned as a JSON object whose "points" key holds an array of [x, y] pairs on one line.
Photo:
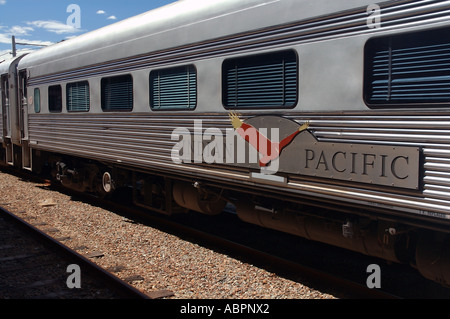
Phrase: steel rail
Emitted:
{"points": [[122, 288]]}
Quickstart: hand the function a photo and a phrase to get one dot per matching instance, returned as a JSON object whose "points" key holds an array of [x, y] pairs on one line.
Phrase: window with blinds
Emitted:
{"points": [[78, 97], [261, 81], [174, 89], [117, 93], [409, 69], [55, 99]]}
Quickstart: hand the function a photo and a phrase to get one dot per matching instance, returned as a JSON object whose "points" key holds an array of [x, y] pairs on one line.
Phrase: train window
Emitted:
{"points": [[261, 81], [117, 93], [55, 99], [37, 100], [78, 97], [411, 69], [174, 89]]}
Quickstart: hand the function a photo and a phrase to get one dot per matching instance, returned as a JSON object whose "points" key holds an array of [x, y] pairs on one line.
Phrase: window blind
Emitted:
{"points": [[117, 93], [263, 81], [78, 97], [409, 69], [174, 88]]}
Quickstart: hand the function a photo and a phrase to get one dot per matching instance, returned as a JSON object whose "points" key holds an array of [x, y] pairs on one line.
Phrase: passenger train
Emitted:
{"points": [[329, 120]]}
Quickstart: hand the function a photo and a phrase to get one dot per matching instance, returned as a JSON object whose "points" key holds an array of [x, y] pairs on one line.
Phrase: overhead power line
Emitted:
{"points": [[14, 45]]}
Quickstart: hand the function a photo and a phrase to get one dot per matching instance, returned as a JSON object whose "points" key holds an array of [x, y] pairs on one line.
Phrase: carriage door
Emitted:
{"points": [[23, 120], [6, 119]]}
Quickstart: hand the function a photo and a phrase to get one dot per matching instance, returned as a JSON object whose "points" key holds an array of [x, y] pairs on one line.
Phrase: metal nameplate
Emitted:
{"points": [[394, 166]]}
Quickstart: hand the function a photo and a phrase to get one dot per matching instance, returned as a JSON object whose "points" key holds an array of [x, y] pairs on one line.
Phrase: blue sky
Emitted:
{"points": [[50, 21]]}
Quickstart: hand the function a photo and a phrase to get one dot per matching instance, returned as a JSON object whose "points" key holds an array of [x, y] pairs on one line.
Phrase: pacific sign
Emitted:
{"points": [[277, 145]]}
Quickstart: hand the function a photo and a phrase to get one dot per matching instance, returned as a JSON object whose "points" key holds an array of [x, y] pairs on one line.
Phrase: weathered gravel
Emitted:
{"points": [[153, 259]]}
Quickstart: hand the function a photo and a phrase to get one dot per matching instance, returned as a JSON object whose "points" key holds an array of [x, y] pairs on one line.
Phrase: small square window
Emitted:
{"points": [[117, 93], [55, 99]]}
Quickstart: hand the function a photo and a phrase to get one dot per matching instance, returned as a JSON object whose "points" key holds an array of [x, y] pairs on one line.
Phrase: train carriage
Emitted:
{"points": [[278, 107], [12, 117]]}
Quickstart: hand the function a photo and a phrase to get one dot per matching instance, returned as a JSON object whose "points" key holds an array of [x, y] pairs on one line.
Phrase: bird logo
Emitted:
{"points": [[269, 150]]}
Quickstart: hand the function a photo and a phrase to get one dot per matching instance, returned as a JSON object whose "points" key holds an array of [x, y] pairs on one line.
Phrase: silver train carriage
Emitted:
{"points": [[328, 120], [12, 121]]}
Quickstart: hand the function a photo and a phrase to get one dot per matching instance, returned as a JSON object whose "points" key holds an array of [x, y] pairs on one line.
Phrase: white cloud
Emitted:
{"points": [[5, 55], [18, 30], [24, 45], [5, 38], [2, 2], [54, 26], [103, 12]]}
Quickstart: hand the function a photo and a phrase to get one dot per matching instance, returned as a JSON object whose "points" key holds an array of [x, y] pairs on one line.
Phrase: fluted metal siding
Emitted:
{"points": [[145, 141]]}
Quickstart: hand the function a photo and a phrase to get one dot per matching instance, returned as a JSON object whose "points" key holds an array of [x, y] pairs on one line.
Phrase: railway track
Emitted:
{"points": [[33, 265]]}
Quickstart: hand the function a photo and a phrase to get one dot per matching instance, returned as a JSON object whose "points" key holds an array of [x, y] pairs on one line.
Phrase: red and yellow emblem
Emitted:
{"points": [[269, 150]]}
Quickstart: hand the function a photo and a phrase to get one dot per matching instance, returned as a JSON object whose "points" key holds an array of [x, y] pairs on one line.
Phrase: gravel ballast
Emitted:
{"points": [[148, 258]]}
